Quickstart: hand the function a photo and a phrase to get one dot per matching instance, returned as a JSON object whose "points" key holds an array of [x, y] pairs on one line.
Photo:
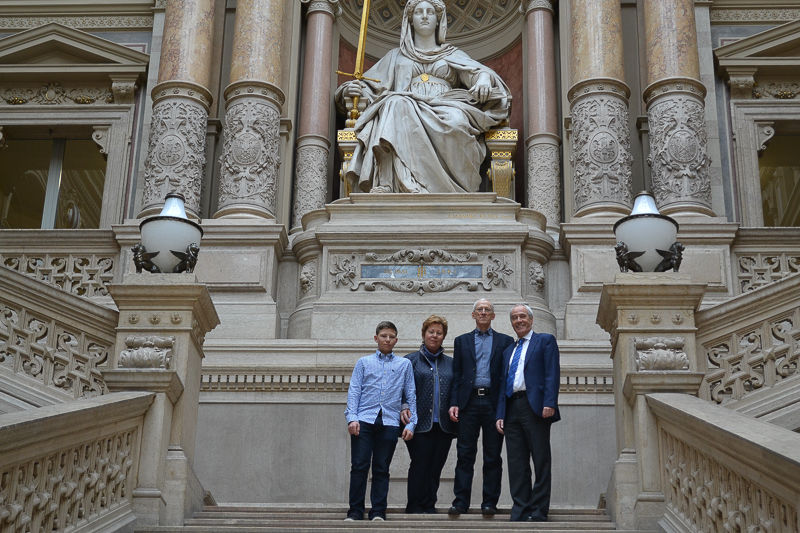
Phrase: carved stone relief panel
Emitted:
{"points": [[601, 159], [147, 352], [678, 144], [536, 277], [777, 89], [310, 181], [660, 353], [544, 181], [176, 155], [422, 271], [57, 94], [250, 157], [87, 276], [308, 277], [757, 270]]}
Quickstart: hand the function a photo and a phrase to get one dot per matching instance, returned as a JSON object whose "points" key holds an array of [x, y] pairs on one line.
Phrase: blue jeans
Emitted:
{"points": [[375, 444]]}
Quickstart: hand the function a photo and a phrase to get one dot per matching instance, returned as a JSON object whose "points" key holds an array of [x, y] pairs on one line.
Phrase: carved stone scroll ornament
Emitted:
{"points": [[601, 150], [741, 87], [678, 143], [147, 352], [310, 181], [766, 132], [124, 92], [250, 158], [100, 137], [496, 271], [544, 181], [536, 276], [176, 152], [660, 353]]}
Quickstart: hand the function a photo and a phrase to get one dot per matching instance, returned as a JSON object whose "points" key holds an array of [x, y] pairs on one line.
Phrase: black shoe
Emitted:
{"points": [[432, 510], [456, 510], [488, 510], [537, 519]]}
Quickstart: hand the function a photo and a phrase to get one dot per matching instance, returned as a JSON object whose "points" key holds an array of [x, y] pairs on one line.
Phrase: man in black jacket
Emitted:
{"points": [[477, 384]]}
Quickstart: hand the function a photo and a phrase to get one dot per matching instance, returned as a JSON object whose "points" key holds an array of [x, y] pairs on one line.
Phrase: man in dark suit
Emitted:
{"points": [[525, 410], [477, 384]]}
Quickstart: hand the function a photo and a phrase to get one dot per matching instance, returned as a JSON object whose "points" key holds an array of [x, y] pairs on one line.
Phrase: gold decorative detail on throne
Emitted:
{"points": [[502, 145], [345, 135], [424, 77]]}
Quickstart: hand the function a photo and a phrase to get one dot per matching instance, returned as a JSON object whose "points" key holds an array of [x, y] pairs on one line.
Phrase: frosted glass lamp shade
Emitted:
{"points": [[169, 231], [646, 230]]}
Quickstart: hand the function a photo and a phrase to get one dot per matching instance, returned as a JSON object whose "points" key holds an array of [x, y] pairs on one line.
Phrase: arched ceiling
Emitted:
{"points": [[482, 28]]}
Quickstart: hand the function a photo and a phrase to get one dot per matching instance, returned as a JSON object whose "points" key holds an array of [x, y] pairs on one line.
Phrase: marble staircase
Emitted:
{"points": [[330, 519]]}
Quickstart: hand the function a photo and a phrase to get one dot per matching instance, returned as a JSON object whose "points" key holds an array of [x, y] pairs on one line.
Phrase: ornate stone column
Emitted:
{"points": [[601, 151], [676, 109], [176, 151], [253, 101], [313, 145], [542, 142]]}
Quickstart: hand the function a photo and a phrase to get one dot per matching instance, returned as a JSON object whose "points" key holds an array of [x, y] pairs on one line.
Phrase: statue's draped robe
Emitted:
{"points": [[417, 136]]}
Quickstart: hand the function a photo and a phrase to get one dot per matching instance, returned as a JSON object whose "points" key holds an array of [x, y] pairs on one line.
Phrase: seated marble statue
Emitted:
{"points": [[422, 130]]}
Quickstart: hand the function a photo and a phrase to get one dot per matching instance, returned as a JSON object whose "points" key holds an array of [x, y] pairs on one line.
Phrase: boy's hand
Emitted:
{"points": [[354, 428], [407, 435], [405, 416], [454, 413]]}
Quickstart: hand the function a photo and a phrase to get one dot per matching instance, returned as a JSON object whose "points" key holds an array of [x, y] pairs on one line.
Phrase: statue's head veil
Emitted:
{"points": [[407, 33]]}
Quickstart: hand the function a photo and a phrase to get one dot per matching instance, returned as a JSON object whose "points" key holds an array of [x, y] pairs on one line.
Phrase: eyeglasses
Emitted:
{"points": [[482, 310]]}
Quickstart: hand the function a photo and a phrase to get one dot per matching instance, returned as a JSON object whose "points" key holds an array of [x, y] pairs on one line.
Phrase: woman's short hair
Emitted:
{"points": [[434, 319]]}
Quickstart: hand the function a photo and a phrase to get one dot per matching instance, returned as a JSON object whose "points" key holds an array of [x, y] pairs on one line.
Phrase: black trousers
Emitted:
{"points": [[527, 437], [476, 417], [428, 453]]}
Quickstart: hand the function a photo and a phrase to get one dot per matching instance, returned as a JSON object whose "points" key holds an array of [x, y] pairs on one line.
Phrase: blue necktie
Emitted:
{"points": [[512, 370]]}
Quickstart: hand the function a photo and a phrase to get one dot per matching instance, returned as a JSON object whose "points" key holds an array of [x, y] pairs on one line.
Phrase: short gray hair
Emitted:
{"points": [[527, 308], [474, 307]]}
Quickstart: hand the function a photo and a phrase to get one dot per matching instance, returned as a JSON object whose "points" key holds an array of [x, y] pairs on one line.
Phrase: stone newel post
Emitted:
{"points": [[163, 320], [601, 149], [253, 102], [651, 321], [542, 143], [313, 144], [176, 151], [676, 109]]}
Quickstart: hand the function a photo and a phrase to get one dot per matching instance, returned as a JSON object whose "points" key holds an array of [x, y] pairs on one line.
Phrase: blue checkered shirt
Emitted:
{"points": [[381, 383]]}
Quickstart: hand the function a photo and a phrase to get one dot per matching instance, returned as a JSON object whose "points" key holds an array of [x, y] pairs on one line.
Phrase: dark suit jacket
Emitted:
{"points": [[542, 375], [465, 367]]}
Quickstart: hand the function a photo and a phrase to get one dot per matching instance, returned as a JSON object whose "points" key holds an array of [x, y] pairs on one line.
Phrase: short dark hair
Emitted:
{"points": [[385, 325]]}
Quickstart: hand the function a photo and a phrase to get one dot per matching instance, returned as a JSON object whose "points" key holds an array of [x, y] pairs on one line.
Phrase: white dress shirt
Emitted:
{"points": [[519, 378]]}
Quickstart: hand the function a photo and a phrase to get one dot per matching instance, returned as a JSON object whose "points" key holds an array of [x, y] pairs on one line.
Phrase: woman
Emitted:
{"points": [[422, 129], [433, 377]]}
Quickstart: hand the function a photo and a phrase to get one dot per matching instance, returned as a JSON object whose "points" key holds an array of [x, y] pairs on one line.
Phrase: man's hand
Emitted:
{"points": [[454, 413], [547, 412], [354, 428], [407, 435], [405, 416], [499, 425]]}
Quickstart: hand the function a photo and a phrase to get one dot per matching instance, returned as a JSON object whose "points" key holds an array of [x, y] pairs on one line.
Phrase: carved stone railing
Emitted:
{"points": [[80, 262], [750, 342], [52, 344], [724, 471], [762, 256], [71, 467]]}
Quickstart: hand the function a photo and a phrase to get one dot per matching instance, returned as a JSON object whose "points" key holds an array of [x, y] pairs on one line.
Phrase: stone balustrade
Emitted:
{"points": [[72, 466], [52, 344], [750, 347], [80, 262], [762, 256], [724, 471]]}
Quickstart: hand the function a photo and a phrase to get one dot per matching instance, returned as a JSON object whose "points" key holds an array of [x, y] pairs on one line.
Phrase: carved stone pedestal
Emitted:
{"points": [[163, 320], [651, 319], [373, 257]]}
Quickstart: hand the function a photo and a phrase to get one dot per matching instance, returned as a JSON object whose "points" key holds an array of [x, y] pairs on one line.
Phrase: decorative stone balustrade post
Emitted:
{"points": [[542, 142], [676, 109], [253, 102], [176, 151], [313, 145], [651, 319], [601, 149], [163, 320]]}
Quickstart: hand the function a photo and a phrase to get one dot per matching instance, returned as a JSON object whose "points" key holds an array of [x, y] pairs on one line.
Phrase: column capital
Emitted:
{"points": [[528, 6], [331, 7]]}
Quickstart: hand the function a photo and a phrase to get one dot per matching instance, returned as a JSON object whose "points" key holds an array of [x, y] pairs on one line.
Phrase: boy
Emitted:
{"points": [[379, 384]]}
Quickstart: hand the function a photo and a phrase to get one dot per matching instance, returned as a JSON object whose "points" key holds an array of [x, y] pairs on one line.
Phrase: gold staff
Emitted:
{"points": [[359, 70]]}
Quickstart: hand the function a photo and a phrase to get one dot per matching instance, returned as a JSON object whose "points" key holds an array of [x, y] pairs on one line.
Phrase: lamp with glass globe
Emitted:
{"points": [[646, 239], [170, 241]]}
